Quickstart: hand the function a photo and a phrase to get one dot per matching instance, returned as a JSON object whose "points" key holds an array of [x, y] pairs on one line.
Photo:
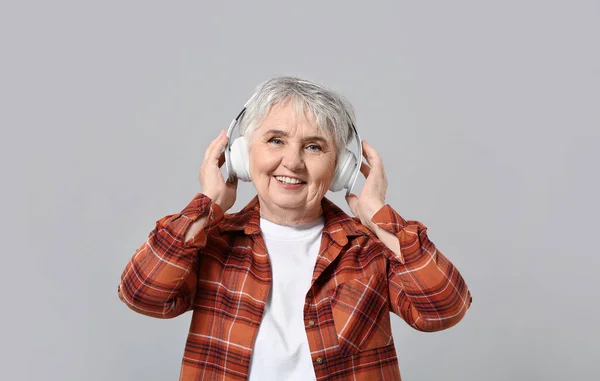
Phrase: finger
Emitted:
{"points": [[371, 155], [209, 149], [215, 148], [352, 201], [365, 151], [369, 152], [221, 144], [365, 169], [221, 159]]}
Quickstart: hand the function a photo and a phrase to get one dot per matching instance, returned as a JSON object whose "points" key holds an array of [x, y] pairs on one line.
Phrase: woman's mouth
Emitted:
{"points": [[289, 182]]}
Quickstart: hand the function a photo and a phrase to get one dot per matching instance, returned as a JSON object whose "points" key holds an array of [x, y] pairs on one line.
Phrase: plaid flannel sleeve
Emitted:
{"points": [[160, 279], [425, 288]]}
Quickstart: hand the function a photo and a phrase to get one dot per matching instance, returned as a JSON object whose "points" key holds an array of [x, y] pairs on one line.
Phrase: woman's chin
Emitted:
{"points": [[294, 201], [289, 202]]}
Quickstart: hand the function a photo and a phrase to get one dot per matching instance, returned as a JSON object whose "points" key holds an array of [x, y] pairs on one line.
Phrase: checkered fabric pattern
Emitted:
{"points": [[223, 276]]}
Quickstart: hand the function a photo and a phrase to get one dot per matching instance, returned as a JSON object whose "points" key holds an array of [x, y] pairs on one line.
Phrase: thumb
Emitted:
{"points": [[352, 201]]}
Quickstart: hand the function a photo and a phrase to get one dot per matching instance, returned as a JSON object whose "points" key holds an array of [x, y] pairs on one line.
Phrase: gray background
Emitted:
{"points": [[486, 115]]}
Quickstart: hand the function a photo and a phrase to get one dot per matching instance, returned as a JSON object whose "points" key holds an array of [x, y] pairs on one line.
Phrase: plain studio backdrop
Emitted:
{"points": [[486, 115]]}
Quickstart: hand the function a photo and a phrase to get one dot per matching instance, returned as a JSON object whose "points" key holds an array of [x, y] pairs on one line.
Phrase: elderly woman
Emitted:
{"points": [[291, 287]]}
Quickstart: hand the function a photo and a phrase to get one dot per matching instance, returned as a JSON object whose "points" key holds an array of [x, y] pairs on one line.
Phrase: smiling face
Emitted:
{"points": [[292, 164]]}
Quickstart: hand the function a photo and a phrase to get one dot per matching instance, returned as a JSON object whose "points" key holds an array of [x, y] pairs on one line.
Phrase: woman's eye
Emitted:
{"points": [[276, 141], [313, 147]]}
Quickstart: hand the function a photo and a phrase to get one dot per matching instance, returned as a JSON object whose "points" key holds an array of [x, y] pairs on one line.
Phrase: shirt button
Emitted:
{"points": [[311, 323], [319, 360]]}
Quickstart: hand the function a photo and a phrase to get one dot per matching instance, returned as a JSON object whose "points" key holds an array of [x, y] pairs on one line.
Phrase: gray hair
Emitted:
{"points": [[333, 113]]}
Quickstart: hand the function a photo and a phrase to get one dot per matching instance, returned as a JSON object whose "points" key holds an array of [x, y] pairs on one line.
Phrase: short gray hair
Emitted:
{"points": [[333, 113]]}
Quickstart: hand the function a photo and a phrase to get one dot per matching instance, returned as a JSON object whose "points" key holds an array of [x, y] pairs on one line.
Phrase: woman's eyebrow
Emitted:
{"points": [[285, 134], [276, 132]]}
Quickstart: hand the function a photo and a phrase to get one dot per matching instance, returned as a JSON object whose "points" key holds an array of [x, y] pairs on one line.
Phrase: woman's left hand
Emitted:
{"points": [[372, 197]]}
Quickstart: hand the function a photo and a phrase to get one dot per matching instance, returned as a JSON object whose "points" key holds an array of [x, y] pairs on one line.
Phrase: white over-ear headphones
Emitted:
{"points": [[237, 160]]}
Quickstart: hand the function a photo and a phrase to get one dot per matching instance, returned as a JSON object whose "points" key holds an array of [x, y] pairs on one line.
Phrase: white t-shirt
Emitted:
{"points": [[281, 349]]}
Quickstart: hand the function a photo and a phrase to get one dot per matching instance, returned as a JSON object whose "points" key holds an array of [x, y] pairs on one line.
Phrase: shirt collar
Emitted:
{"points": [[338, 225]]}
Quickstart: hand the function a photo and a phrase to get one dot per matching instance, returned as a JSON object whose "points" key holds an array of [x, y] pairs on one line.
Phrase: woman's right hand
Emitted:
{"points": [[211, 180]]}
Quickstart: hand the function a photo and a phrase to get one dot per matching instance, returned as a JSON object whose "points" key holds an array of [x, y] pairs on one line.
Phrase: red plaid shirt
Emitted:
{"points": [[223, 275]]}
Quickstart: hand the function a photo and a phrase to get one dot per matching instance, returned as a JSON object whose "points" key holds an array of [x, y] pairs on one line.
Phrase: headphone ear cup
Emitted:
{"points": [[239, 159], [343, 171]]}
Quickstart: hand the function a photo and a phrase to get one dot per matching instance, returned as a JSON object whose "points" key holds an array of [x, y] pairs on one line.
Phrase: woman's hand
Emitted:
{"points": [[372, 197], [211, 179]]}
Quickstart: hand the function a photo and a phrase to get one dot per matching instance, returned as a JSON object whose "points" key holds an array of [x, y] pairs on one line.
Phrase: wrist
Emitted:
{"points": [[372, 210], [219, 203], [213, 198]]}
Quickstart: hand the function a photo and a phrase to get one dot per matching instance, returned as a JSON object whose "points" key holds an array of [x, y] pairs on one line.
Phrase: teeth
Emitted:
{"points": [[288, 180]]}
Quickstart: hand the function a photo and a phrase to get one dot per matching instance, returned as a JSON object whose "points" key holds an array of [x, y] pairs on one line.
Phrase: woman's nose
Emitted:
{"points": [[293, 160]]}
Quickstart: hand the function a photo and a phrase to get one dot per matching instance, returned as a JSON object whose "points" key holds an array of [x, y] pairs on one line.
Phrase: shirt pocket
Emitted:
{"points": [[361, 314]]}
